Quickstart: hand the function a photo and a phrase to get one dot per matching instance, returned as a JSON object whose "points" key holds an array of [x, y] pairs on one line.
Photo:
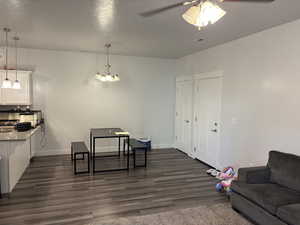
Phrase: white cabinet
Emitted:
{"points": [[18, 161], [15, 157], [35, 142], [20, 96]]}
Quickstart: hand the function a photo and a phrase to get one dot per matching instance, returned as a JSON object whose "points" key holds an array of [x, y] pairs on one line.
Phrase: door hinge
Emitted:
{"points": [[195, 149], [196, 119]]}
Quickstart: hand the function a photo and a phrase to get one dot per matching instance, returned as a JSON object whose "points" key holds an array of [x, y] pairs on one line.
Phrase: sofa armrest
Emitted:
{"points": [[254, 175]]}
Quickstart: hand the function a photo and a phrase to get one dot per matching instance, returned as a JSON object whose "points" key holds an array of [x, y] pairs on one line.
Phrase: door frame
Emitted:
{"points": [[205, 76], [208, 75]]}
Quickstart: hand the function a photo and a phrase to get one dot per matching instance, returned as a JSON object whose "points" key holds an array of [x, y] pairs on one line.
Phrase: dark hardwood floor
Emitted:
{"points": [[49, 193]]}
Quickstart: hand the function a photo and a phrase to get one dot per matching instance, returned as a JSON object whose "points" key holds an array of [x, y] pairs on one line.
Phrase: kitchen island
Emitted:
{"points": [[16, 151]]}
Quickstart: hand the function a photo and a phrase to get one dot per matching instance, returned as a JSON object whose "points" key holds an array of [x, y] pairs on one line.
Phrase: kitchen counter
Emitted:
{"points": [[16, 151], [18, 136]]}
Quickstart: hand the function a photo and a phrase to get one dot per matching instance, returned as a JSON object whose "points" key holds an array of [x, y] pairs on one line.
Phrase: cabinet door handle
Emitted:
{"points": [[187, 121], [214, 130]]}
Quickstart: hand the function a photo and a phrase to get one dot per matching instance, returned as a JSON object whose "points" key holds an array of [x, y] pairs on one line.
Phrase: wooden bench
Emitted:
{"points": [[135, 146], [79, 148]]}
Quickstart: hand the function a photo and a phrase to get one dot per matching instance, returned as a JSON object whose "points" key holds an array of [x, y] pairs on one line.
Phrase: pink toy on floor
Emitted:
{"points": [[227, 176]]}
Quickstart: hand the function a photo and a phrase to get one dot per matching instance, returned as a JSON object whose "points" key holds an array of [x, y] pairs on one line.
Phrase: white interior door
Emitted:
{"points": [[207, 112], [183, 117]]}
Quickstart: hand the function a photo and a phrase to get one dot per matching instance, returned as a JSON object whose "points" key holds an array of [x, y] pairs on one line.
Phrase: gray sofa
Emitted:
{"points": [[270, 195]]}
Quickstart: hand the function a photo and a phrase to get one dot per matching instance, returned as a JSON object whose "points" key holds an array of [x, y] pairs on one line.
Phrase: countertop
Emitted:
{"points": [[18, 136]]}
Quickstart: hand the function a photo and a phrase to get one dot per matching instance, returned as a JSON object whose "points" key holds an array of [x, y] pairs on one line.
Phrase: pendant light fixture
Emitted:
{"points": [[6, 83], [107, 76], [16, 84]]}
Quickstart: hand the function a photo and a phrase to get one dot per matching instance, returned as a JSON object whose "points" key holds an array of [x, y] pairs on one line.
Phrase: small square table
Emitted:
{"points": [[101, 133]]}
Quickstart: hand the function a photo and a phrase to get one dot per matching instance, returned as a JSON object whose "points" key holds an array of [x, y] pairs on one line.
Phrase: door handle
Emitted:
{"points": [[214, 130]]}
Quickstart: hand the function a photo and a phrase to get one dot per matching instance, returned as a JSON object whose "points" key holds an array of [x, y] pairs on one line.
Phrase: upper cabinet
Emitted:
{"points": [[22, 96]]}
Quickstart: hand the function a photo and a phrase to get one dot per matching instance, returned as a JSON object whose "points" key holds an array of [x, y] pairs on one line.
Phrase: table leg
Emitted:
{"points": [[128, 153], [124, 145], [89, 166], [119, 146], [94, 154], [134, 158], [91, 150], [146, 152]]}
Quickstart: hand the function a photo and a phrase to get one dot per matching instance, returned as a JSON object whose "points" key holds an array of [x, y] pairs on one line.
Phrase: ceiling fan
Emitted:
{"points": [[186, 3], [201, 12]]}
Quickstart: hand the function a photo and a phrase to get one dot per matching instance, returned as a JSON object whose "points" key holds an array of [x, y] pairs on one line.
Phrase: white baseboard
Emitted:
{"points": [[98, 149]]}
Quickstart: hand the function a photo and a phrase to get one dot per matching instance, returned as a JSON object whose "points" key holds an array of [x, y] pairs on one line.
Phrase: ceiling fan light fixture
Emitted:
{"points": [[203, 14], [210, 13], [191, 15]]}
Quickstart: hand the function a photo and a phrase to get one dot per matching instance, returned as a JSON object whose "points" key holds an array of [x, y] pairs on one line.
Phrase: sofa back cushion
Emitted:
{"points": [[285, 169]]}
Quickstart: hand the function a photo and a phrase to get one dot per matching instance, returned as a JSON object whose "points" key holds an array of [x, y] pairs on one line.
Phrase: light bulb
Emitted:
{"points": [[101, 77], [6, 83], [109, 77], [16, 85], [116, 77]]}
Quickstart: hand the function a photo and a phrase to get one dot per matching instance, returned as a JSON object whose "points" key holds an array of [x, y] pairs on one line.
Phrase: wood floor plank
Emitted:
{"points": [[49, 194]]}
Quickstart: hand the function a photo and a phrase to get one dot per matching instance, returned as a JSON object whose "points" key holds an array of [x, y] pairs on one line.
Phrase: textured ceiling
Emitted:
{"points": [[86, 25]]}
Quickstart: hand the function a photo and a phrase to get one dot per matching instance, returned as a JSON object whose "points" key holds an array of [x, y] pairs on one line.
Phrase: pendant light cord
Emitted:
{"points": [[107, 58], [6, 52], [16, 46]]}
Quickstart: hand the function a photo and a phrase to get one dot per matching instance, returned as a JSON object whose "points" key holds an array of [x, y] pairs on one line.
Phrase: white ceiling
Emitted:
{"points": [[86, 25]]}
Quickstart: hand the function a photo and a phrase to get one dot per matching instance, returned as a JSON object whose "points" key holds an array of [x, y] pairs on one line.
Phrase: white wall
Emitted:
{"points": [[73, 101], [261, 93]]}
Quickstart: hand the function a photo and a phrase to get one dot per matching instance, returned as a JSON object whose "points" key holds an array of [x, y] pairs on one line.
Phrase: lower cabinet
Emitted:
{"points": [[18, 161], [15, 158], [35, 142]]}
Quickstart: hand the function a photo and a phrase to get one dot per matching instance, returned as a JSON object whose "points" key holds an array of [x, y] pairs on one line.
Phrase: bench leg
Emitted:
{"points": [[88, 158], [71, 153], [75, 160]]}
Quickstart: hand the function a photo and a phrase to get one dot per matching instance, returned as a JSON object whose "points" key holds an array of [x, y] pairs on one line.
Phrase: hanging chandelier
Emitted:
{"points": [[107, 76]]}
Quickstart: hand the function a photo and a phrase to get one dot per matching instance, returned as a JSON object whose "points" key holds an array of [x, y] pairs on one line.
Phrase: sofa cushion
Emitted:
{"points": [[290, 213], [285, 169], [269, 196]]}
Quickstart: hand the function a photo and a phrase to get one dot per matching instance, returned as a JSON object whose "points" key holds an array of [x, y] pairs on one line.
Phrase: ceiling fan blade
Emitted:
{"points": [[162, 9], [256, 1]]}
